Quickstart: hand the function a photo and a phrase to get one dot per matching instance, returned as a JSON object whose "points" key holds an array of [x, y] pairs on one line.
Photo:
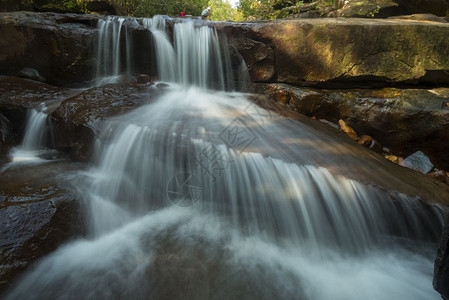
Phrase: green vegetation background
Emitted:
{"points": [[221, 9]]}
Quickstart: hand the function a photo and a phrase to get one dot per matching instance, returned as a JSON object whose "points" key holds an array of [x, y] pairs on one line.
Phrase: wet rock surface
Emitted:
{"points": [[38, 212], [30, 73], [17, 95], [77, 121], [404, 120], [22, 94]]}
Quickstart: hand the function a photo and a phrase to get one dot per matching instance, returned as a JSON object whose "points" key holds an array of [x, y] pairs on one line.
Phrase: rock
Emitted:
{"points": [[365, 140], [436, 7], [143, 79], [376, 147], [392, 158], [370, 143], [335, 52], [422, 17], [62, 46], [17, 95], [348, 130], [59, 46], [298, 10], [358, 162], [162, 85], [37, 214], [368, 9], [78, 120], [418, 161], [441, 267], [6, 131], [30, 73], [404, 120], [439, 175], [259, 58], [322, 52]]}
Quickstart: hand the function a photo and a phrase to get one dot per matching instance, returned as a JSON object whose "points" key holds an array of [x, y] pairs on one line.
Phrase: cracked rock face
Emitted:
{"points": [[348, 52]]}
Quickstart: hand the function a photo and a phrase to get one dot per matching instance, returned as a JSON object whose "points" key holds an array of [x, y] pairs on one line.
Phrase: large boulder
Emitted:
{"points": [[404, 120], [347, 52], [59, 47]]}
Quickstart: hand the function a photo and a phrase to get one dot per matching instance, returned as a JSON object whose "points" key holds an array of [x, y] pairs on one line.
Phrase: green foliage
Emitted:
{"points": [[373, 13], [221, 10], [148, 8], [257, 9], [275, 9]]}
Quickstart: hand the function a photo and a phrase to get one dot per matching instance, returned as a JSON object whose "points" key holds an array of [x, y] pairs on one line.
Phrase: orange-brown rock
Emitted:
{"points": [[365, 140], [392, 158], [370, 143], [348, 130]]}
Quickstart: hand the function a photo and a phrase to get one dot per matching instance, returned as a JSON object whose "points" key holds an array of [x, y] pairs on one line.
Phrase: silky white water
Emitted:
{"points": [[195, 57], [32, 149], [110, 64], [204, 195]]}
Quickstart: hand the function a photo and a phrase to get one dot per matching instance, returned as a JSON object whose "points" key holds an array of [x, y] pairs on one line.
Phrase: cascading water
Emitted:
{"points": [[109, 50], [33, 143], [204, 195], [195, 58]]}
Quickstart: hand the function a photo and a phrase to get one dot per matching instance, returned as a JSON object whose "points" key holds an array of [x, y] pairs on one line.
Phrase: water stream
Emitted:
{"points": [[110, 64], [204, 195], [33, 147]]}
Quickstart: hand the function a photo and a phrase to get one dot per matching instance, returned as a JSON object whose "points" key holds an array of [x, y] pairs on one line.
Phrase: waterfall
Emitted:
{"points": [[33, 143], [109, 65], [201, 194], [195, 58], [35, 132], [184, 133]]}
